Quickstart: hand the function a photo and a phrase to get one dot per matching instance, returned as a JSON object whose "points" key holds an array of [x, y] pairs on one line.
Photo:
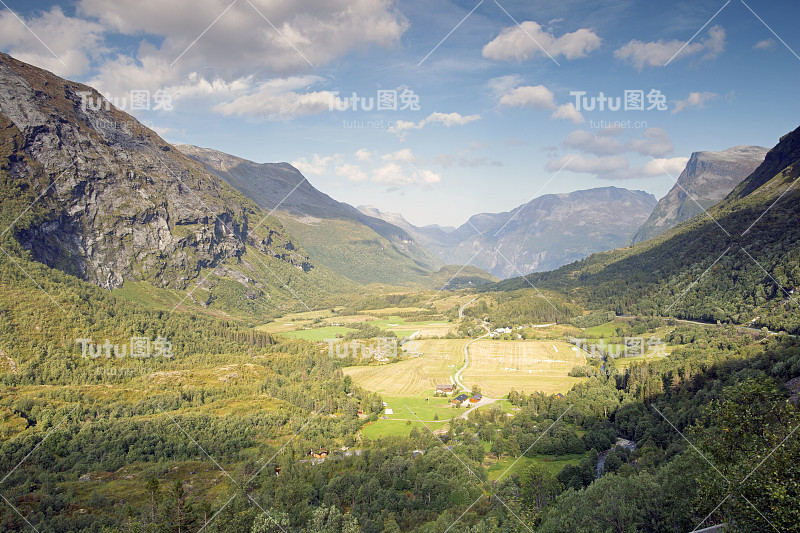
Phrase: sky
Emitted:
{"points": [[435, 109]]}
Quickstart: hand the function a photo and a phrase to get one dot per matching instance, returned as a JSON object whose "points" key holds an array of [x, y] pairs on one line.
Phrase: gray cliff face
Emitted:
{"points": [[117, 202], [543, 234], [708, 178]]}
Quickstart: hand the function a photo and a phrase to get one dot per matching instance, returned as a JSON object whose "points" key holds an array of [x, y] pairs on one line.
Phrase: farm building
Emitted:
{"points": [[447, 388], [319, 454], [461, 398], [475, 398]]}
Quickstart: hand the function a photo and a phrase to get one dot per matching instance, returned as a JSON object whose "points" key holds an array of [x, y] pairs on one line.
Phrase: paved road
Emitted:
{"points": [[740, 327], [466, 360], [461, 310]]}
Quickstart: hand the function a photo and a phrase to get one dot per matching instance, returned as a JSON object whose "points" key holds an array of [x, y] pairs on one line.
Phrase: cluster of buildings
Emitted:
{"points": [[462, 400]]}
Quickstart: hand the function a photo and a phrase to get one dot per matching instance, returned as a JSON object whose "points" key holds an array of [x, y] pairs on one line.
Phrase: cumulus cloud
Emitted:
{"points": [[695, 99], [599, 145], [610, 163], [568, 112], [529, 39], [402, 127], [401, 156], [351, 172], [618, 168], [395, 174], [657, 53], [655, 142], [672, 166], [280, 38], [218, 42], [279, 99], [538, 97], [68, 44], [363, 155]]}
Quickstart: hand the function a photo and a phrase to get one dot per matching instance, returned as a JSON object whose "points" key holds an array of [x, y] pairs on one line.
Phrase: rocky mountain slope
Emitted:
{"points": [[364, 248], [739, 263], [708, 178], [543, 234], [97, 195]]}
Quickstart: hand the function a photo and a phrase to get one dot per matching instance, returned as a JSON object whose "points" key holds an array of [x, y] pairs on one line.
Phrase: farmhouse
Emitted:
{"points": [[319, 454], [447, 388], [461, 398], [475, 398]]}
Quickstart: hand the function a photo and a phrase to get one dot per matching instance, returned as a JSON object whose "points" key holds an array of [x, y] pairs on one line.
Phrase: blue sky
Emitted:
{"points": [[497, 122]]}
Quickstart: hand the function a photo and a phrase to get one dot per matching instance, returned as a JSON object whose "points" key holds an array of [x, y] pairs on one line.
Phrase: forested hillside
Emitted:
{"points": [[737, 263]]}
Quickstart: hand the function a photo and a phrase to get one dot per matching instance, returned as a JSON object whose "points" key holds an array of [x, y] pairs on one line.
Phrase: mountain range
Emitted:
{"points": [[738, 263], [360, 247], [542, 234], [708, 178], [118, 206]]}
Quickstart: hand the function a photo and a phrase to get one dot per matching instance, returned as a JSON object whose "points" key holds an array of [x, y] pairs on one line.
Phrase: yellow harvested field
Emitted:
{"points": [[525, 366], [389, 311], [438, 361]]}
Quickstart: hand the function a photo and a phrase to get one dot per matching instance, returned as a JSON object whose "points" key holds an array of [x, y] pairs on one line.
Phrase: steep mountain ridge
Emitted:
{"points": [[364, 248], [103, 198], [737, 263], [708, 178]]}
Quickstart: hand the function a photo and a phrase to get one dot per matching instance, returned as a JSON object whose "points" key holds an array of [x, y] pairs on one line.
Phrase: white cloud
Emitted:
{"points": [[503, 84], [402, 127], [568, 112], [279, 99], [766, 44], [539, 97], [657, 53], [672, 166], [695, 99], [395, 174], [401, 156], [351, 172], [218, 42], [599, 145], [618, 168], [241, 42], [363, 155], [318, 165], [73, 41], [655, 142], [520, 43]]}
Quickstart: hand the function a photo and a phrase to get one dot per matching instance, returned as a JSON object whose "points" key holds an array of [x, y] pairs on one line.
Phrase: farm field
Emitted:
{"points": [[327, 326], [317, 334], [553, 464], [413, 377], [397, 428], [525, 366]]}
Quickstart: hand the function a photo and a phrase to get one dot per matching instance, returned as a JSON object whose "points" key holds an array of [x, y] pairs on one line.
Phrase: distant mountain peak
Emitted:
{"points": [[708, 178]]}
